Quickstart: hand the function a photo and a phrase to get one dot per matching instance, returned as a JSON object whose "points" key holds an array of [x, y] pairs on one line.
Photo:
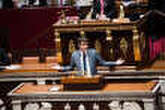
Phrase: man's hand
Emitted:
{"points": [[119, 62]]}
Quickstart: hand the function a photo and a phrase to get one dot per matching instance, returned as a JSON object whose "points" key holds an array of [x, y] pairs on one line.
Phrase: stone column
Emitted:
{"points": [[136, 46], [58, 47]]}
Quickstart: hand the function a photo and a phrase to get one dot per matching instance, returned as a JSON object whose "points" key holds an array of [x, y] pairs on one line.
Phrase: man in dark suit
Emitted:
{"points": [[157, 5], [106, 7], [43, 3], [4, 59], [7, 4], [86, 60]]}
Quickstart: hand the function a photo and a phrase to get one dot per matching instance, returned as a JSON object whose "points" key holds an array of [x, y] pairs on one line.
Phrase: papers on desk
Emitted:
{"points": [[128, 3], [13, 67], [56, 67], [55, 88]]}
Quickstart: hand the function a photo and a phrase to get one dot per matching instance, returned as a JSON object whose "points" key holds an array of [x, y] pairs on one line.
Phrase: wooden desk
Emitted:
{"points": [[43, 71], [142, 93], [108, 28], [32, 72]]}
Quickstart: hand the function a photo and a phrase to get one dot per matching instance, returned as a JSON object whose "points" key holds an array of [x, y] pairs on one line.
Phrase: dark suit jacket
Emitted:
{"points": [[157, 4], [4, 59], [7, 4], [43, 3], [94, 58], [109, 8]]}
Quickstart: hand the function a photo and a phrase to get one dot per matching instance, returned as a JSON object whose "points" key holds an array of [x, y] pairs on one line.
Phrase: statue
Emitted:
{"points": [[131, 106], [89, 15], [81, 107], [122, 13], [63, 17], [46, 106], [114, 105], [32, 106], [95, 106], [67, 107]]}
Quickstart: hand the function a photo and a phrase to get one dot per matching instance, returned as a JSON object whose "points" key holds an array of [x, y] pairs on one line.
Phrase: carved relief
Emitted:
{"points": [[124, 47], [46, 106], [131, 106], [111, 53], [114, 105], [32, 106], [98, 46], [71, 46], [126, 105]]}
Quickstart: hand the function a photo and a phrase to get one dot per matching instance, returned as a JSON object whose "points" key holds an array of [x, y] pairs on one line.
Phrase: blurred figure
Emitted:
{"points": [[31, 2], [7, 4], [43, 3], [157, 5], [4, 58], [104, 8]]}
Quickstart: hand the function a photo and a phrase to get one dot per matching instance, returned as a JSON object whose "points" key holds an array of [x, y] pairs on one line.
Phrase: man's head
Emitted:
{"points": [[83, 43]]}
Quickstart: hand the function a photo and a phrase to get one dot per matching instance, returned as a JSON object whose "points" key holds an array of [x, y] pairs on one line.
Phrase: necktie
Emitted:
{"points": [[85, 64], [102, 6], [84, 61]]}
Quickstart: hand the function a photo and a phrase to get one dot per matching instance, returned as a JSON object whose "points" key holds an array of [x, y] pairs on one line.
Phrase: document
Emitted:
{"points": [[13, 67], [55, 88]]}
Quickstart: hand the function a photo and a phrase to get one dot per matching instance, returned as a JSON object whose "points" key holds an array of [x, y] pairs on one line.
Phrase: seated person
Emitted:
{"points": [[156, 5], [86, 59], [4, 58], [43, 3], [7, 4], [104, 8]]}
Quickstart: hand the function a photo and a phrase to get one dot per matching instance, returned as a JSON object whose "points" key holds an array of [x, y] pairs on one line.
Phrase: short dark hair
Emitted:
{"points": [[82, 39]]}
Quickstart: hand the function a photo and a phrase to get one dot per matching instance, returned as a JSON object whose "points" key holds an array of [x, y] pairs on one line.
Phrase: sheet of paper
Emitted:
{"points": [[13, 67], [55, 88]]}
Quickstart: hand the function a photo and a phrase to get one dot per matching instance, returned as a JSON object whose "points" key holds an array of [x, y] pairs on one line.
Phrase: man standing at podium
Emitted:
{"points": [[104, 8], [86, 60]]}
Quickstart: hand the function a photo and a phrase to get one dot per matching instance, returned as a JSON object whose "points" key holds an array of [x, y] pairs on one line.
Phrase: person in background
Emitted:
{"points": [[104, 8], [4, 58], [86, 60], [156, 5], [7, 4], [43, 3]]}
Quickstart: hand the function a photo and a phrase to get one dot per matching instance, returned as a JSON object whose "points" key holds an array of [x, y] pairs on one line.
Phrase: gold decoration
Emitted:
{"points": [[82, 33], [58, 40], [63, 17], [136, 45], [98, 46], [109, 37], [58, 46], [71, 46], [111, 53], [122, 13], [89, 15], [124, 46]]}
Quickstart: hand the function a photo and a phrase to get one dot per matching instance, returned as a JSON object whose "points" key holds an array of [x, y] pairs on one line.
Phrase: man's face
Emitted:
{"points": [[83, 46]]}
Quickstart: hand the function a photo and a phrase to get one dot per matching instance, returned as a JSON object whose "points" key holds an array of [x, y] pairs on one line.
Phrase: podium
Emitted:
{"points": [[78, 83]]}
